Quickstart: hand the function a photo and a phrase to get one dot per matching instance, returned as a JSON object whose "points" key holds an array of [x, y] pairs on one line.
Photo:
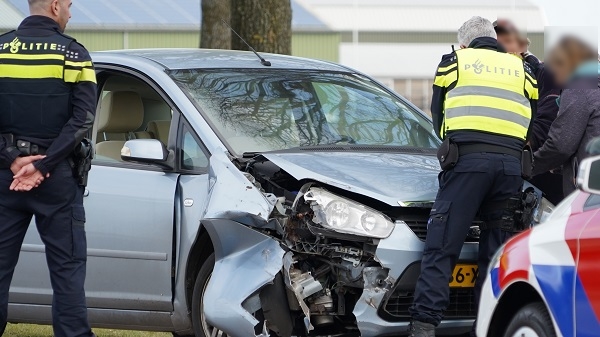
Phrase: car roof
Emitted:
{"points": [[174, 59]]}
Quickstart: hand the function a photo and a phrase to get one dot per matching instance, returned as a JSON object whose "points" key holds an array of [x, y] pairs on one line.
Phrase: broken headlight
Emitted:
{"points": [[543, 211], [346, 216]]}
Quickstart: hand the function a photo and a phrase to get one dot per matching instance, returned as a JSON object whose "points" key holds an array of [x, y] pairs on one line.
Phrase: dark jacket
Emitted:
{"points": [[472, 137], [577, 123], [547, 106], [82, 106]]}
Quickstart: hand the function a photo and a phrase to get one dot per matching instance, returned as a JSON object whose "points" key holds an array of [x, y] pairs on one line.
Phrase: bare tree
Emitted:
{"points": [[215, 34], [265, 24]]}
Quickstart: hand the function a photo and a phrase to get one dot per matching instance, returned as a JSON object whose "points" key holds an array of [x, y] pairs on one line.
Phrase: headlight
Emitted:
{"points": [[346, 216], [496, 258], [543, 211]]}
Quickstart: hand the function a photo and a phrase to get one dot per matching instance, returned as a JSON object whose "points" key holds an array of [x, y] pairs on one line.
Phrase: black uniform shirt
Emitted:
{"points": [[79, 74]]}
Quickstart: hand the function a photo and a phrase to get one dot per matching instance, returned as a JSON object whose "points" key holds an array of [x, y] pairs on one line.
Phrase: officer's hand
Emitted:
{"points": [[26, 179], [25, 184], [20, 162]]}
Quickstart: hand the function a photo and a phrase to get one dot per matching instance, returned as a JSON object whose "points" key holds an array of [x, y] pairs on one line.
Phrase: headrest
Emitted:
{"points": [[121, 112], [160, 130]]}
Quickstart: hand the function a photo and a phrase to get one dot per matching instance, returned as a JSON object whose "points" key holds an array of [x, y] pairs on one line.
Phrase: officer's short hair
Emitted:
{"points": [[33, 3], [474, 28]]}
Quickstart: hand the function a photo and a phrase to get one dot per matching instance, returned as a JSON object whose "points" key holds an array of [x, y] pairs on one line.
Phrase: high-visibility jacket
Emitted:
{"points": [[36, 79], [491, 93]]}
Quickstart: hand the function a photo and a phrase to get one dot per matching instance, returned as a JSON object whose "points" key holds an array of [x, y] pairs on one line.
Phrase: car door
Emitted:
{"points": [[587, 288], [129, 210]]}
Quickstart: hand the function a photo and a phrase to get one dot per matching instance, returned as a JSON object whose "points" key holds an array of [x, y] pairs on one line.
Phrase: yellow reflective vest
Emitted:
{"points": [[490, 93]]}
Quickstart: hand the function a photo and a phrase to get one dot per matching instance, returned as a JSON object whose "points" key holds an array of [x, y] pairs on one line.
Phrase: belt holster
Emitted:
{"points": [[527, 163], [508, 209], [448, 154], [9, 139], [517, 212], [28, 149], [81, 161]]}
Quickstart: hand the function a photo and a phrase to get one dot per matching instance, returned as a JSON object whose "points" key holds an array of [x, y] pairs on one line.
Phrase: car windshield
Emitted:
{"points": [[260, 111]]}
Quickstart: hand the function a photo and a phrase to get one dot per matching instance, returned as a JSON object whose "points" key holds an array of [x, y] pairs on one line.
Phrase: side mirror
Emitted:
{"points": [[151, 151], [593, 148], [588, 178]]}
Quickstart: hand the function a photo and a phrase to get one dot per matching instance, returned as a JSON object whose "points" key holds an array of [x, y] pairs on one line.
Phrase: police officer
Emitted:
{"points": [[47, 106], [482, 107]]}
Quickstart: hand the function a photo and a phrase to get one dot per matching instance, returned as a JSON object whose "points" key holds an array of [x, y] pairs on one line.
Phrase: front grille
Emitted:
{"points": [[419, 227], [462, 304]]}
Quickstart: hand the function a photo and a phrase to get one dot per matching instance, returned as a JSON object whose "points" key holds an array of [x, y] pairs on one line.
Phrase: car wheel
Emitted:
{"points": [[201, 327], [533, 320]]}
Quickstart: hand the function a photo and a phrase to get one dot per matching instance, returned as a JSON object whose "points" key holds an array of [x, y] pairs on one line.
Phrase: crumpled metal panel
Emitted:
{"points": [[231, 194], [400, 179], [395, 254], [299, 290], [245, 260]]}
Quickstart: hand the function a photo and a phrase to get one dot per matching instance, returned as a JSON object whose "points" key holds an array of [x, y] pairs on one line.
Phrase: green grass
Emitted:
{"points": [[27, 330]]}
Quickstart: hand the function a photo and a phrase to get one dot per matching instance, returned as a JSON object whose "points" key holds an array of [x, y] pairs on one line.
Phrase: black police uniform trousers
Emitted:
{"points": [[477, 178], [57, 205]]}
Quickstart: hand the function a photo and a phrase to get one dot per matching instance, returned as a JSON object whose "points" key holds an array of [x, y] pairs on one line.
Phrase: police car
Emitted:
{"points": [[544, 282]]}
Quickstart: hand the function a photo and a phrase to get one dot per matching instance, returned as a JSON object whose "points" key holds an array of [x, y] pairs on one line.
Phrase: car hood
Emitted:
{"points": [[392, 178]]}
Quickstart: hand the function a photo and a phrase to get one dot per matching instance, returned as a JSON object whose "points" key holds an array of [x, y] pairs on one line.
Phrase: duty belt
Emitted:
{"points": [[479, 148], [28, 149]]}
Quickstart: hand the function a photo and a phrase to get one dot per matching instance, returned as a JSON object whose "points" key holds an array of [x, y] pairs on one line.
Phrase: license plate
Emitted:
{"points": [[464, 276]]}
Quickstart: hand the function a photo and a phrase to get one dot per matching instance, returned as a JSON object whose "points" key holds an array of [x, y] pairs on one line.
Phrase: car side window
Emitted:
{"points": [[593, 202], [128, 109], [192, 156]]}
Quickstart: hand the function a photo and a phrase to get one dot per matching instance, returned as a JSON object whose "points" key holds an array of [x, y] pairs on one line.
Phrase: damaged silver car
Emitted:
{"points": [[230, 198]]}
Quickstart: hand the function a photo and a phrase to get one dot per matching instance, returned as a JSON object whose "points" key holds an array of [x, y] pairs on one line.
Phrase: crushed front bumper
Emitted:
{"points": [[401, 255], [247, 261]]}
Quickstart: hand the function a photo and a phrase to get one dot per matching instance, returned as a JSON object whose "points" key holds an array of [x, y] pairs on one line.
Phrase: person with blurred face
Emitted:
{"points": [[47, 106], [516, 43], [575, 67], [508, 36]]}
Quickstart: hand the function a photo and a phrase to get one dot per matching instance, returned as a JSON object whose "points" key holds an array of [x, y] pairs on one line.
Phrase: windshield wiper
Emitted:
{"points": [[348, 148], [251, 154], [343, 139]]}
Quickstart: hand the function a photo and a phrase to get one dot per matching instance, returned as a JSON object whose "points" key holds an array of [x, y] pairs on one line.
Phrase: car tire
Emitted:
{"points": [[201, 328], [533, 320]]}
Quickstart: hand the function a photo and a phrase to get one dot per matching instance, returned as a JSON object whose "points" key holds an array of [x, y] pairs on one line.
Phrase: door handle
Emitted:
{"points": [[86, 193]]}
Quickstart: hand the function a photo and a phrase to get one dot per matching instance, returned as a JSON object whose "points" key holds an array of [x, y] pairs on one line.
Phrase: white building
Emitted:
{"points": [[400, 42]]}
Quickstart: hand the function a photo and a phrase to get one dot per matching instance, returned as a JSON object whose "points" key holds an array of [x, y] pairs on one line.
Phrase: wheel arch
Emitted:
{"points": [[517, 295], [200, 251]]}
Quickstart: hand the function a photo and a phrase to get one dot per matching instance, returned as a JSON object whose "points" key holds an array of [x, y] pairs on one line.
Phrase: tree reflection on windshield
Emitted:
{"points": [[258, 111]]}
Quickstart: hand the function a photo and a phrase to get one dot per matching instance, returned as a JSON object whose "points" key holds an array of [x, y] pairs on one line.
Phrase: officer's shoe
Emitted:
{"points": [[421, 329]]}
